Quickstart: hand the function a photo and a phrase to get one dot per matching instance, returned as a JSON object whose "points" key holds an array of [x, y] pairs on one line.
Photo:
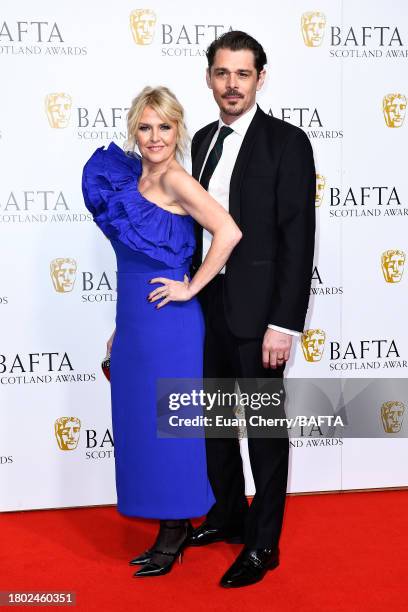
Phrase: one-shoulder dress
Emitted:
{"points": [[156, 477]]}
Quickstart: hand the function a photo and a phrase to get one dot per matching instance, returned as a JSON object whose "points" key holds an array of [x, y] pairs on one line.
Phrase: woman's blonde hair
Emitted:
{"points": [[165, 103]]}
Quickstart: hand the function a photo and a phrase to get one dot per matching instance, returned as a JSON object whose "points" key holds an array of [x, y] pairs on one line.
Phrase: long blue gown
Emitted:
{"points": [[155, 477]]}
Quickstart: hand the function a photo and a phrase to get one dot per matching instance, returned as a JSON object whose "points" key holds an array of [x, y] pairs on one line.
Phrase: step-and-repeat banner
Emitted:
{"points": [[338, 70]]}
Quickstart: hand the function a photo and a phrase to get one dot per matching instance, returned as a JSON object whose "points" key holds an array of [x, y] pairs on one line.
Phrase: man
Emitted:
{"points": [[261, 169]]}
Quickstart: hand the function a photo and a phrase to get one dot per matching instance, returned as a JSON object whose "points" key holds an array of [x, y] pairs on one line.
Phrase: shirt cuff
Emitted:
{"points": [[291, 332]]}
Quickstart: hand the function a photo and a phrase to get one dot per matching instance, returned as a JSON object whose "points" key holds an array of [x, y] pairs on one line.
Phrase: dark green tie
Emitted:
{"points": [[214, 156]]}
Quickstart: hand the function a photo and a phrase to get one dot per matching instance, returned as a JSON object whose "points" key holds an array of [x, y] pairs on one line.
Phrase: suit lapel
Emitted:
{"points": [[197, 162], [239, 168]]}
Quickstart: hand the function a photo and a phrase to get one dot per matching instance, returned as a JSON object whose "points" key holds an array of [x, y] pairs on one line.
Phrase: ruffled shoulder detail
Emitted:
{"points": [[109, 186]]}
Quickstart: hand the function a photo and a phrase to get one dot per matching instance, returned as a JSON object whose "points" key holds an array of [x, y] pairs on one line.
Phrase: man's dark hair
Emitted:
{"points": [[237, 41]]}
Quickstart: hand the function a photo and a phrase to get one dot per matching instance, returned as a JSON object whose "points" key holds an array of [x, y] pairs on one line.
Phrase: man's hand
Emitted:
{"points": [[275, 348]]}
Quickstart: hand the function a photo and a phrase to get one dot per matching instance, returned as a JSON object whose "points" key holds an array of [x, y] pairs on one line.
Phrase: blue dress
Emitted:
{"points": [[155, 477]]}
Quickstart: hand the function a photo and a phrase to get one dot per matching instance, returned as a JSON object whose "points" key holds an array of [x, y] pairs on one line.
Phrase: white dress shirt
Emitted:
{"points": [[219, 185]]}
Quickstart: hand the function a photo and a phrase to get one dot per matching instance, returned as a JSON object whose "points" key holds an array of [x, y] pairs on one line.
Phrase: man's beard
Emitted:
{"points": [[235, 110]]}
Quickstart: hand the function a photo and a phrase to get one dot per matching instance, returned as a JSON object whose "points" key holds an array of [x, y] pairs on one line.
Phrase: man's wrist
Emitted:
{"points": [[284, 330]]}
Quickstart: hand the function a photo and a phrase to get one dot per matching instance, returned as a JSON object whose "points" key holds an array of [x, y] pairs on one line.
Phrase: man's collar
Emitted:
{"points": [[241, 125]]}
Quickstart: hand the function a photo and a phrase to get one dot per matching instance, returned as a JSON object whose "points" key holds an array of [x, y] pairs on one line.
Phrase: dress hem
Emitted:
{"points": [[193, 513]]}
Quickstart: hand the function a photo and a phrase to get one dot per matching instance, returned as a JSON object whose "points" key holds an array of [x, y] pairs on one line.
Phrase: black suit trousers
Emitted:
{"points": [[226, 356]]}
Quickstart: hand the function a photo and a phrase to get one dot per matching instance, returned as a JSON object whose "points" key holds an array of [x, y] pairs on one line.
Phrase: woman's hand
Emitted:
{"points": [[171, 290], [109, 344]]}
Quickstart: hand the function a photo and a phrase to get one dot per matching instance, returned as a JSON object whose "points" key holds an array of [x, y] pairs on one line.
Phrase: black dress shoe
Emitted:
{"points": [[206, 534], [250, 567], [143, 558]]}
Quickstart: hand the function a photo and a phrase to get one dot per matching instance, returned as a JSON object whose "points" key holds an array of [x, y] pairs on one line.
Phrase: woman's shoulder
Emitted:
{"points": [[175, 177]]}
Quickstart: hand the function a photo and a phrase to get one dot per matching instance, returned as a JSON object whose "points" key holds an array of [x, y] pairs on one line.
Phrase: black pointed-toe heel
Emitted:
{"points": [[143, 558], [156, 568]]}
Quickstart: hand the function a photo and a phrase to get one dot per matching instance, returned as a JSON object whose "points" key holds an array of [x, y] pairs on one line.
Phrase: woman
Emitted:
{"points": [[146, 205]]}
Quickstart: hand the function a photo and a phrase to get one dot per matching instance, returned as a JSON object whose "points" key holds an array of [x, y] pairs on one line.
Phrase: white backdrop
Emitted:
{"points": [[330, 80]]}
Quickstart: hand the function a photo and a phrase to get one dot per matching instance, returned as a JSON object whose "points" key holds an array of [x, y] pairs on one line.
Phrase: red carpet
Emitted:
{"points": [[342, 552]]}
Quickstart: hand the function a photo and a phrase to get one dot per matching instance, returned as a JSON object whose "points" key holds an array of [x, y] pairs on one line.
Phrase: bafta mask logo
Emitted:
{"points": [[313, 344], [63, 270], [142, 23], [394, 107], [320, 185], [392, 264], [392, 414], [58, 109], [313, 24], [67, 430]]}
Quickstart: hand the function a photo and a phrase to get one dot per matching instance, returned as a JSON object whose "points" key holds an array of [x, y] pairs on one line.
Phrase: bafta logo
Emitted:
{"points": [[142, 23], [67, 430], [313, 344], [392, 414], [392, 264], [63, 270], [313, 24], [320, 185], [58, 109], [394, 107]]}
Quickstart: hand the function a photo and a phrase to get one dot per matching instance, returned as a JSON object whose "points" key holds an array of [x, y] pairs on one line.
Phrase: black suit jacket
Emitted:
{"points": [[272, 200]]}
